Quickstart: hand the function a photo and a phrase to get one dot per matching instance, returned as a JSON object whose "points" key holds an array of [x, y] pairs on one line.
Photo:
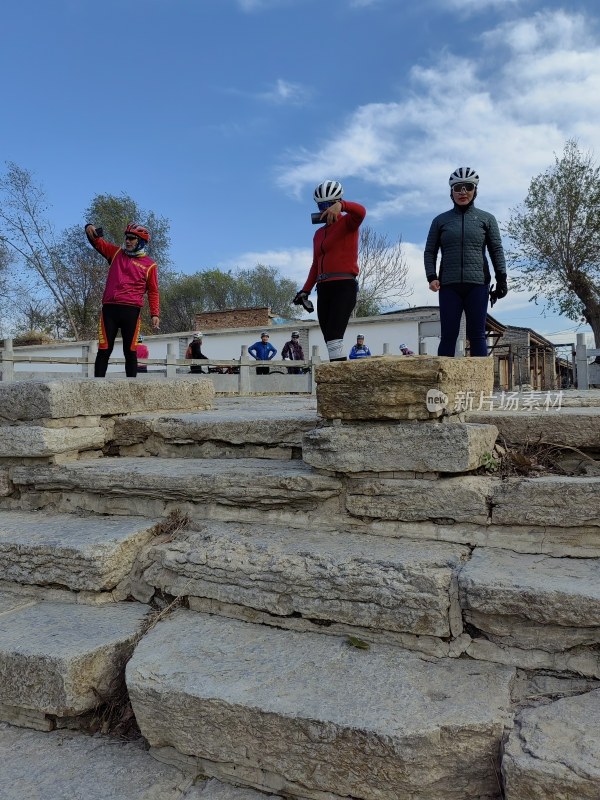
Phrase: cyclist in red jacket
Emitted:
{"points": [[334, 269], [131, 274]]}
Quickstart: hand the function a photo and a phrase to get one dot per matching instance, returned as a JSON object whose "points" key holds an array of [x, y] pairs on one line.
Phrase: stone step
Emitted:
{"points": [[236, 488], [534, 611], [315, 580], [313, 717], [48, 400], [570, 426], [68, 765], [59, 660], [82, 554], [263, 430], [554, 751]]}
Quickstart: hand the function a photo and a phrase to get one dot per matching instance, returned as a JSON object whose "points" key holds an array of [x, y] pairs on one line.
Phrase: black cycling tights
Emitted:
{"points": [[335, 303], [113, 317]]}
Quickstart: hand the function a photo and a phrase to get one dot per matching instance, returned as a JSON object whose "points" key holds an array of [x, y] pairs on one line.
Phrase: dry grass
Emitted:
{"points": [[536, 458]]}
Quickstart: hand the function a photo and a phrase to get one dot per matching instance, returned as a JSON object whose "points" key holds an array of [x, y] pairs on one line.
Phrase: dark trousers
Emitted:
{"points": [[335, 303], [113, 317], [262, 370], [472, 298]]}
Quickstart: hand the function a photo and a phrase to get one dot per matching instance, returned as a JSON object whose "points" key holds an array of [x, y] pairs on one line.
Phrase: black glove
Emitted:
{"points": [[500, 291], [301, 299], [501, 287]]}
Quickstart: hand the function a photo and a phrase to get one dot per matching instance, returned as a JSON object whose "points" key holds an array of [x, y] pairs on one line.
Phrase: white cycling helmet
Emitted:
{"points": [[462, 175], [328, 190]]}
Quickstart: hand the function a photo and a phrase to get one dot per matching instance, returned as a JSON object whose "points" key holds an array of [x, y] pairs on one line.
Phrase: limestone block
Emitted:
{"points": [[573, 427], [317, 717], [232, 426], [359, 580], [60, 658], [31, 400], [381, 447], [457, 499], [535, 589], [65, 765], [554, 751], [547, 500], [29, 441], [396, 387], [81, 553], [262, 483], [581, 660]]}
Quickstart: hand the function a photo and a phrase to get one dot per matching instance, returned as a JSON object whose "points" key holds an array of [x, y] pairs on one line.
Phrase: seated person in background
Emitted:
{"points": [[262, 351], [293, 350], [405, 350], [195, 351], [142, 352], [360, 349]]}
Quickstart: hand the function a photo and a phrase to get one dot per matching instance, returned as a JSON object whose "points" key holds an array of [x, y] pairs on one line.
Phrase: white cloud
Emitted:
{"points": [[293, 263], [285, 92], [505, 113]]}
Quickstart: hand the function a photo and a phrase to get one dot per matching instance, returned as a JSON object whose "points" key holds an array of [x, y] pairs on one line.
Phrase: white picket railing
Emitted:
{"points": [[229, 375], [587, 374]]}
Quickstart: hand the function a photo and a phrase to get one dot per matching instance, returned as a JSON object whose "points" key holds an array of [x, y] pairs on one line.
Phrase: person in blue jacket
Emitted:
{"points": [[262, 351], [360, 349]]}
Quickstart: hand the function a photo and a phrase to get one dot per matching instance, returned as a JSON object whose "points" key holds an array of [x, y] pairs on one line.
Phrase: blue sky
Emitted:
{"points": [[222, 115]]}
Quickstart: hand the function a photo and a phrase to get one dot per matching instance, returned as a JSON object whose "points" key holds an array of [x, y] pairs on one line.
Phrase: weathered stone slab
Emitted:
{"points": [[547, 500], [359, 580], [81, 553], [531, 601], [29, 441], [411, 446], [460, 499], [65, 765], [572, 427], [396, 387], [33, 400], [269, 427], [261, 483], [318, 717], [61, 658], [554, 751]]}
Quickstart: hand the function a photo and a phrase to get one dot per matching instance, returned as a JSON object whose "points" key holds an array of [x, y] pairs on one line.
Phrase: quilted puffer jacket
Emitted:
{"points": [[464, 235]]}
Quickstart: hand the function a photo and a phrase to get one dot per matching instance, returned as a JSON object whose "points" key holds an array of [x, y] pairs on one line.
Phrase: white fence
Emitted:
{"points": [[230, 376], [588, 374]]}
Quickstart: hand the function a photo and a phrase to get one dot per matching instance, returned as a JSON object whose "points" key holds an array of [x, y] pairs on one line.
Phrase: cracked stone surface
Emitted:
{"points": [[554, 751]]}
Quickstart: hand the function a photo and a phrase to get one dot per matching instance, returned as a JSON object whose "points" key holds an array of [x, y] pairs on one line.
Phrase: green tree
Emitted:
{"points": [[183, 296], [383, 276], [556, 238]]}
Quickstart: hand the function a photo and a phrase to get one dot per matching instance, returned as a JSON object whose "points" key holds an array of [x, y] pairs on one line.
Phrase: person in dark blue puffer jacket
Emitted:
{"points": [[464, 234]]}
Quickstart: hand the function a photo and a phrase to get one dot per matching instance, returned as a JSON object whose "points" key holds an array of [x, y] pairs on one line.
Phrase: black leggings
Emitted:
{"points": [[335, 303], [113, 317]]}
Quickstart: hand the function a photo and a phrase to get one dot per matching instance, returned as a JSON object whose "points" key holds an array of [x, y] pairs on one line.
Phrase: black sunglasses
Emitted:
{"points": [[459, 187]]}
